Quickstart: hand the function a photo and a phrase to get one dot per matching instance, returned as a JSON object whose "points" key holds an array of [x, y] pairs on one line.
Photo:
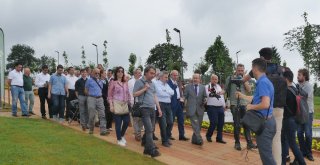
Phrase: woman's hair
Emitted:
{"points": [[115, 78]]}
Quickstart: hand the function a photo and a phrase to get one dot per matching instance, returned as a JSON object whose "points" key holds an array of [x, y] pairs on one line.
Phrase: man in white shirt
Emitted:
{"points": [[137, 122], [15, 80], [216, 106], [71, 81], [305, 130], [110, 75], [164, 93], [42, 80]]}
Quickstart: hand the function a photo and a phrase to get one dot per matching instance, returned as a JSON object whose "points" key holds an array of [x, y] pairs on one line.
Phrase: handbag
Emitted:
{"points": [[254, 121], [120, 107]]}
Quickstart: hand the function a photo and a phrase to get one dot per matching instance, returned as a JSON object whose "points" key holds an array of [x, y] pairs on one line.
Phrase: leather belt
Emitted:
{"points": [[97, 97], [17, 86]]}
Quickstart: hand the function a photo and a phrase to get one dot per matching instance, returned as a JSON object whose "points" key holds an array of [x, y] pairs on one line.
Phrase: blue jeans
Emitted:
{"points": [[18, 93], [165, 121], [29, 99], [216, 117], [121, 124], [288, 138], [58, 103], [305, 136], [264, 142], [177, 111], [148, 120]]}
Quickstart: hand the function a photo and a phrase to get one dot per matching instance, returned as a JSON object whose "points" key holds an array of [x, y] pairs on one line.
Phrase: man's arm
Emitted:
{"points": [[157, 104], [49, 90], [264, 104], [243, 96], [141, 91], [247, 87]]}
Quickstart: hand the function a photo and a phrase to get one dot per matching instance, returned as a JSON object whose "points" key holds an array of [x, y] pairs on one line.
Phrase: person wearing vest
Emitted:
{"points": [[28, 91]]}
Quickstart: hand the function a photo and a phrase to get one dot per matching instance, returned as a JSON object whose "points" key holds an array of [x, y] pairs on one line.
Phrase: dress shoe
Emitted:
{"points": [[253, 146], [44, 117], [104, 133], [198, 143], [14, 115], [171, 138], [165, 144], [209, 139], [221, 141], [310, 157], [83, 128], [237, 146], [183, 138], [25, 115], [153, 154], [31, 113]]}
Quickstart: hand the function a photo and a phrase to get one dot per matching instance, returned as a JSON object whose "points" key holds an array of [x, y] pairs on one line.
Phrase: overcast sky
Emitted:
{"points": [[136, 26]]}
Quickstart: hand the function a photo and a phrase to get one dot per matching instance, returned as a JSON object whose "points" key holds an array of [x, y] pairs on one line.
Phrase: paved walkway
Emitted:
{"points": [[180, 152]]}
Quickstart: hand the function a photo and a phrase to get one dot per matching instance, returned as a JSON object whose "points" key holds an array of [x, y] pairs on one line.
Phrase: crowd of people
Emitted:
{"points": [[106, 96]]}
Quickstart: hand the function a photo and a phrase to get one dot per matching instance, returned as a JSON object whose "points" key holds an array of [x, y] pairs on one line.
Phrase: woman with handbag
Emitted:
{"points": [[119, 100]]}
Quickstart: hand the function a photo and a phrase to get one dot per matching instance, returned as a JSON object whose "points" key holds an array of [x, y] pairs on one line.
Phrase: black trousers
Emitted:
{"points": [[109, 114], [237, 116], [43, 96], [72, 96]]}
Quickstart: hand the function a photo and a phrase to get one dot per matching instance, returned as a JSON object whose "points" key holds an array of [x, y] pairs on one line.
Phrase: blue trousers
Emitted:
{"points": [[177, 111], [305, 136], [121, 124], [288, 138], [18, 93], [216, 117], [58, 103]]}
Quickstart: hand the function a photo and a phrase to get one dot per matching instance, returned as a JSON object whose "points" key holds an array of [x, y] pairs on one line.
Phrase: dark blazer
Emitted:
{"points": [[175, 103]]}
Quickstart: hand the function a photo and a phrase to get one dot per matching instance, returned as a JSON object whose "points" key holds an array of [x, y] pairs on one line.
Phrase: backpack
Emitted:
{"points": [[302, 112], [275, 75]]}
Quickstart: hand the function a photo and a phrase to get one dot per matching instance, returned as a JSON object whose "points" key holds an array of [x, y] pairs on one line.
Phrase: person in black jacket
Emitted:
{"points": [[289, 124], [109, 115]]}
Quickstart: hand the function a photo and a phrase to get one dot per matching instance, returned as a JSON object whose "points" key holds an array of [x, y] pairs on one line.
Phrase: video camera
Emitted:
{"points": [[213, 92], [237, 81]]}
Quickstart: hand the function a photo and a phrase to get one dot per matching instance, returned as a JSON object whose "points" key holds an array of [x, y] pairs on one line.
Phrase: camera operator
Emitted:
{"points": [[216, 107], [238, 106]]}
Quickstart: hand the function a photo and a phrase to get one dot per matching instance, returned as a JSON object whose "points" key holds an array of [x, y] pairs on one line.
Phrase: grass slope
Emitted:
{"points": [[34, 141]]}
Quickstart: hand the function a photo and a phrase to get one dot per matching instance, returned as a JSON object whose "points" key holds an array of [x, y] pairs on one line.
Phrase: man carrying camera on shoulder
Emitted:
{"points": [[233, 84]]}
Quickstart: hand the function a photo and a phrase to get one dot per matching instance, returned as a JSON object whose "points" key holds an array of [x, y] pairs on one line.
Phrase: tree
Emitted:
{"points": [[47, 60], [305, 39], [218, 57], [23, 54], [201, 67], [141, 68], [105, 54], [65, 56], [83, 57], [166, 56], [284, 64], [276, 58], [132, 61], [92, 65]]}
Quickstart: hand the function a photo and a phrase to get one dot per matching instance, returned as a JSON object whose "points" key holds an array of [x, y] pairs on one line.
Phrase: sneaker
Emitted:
{"points": [[123, 140], [121, 143], [104, 133]]}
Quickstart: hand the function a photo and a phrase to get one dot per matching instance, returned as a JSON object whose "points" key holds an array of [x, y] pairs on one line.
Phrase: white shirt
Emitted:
{"points": [[71, 80], [131, 83], [164, 92], [41, 79], [177, 89], [16, 78], [213, 100]]}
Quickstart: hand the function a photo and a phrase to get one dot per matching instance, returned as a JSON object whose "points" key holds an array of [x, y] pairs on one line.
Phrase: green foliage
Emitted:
{"points": [[141, 68], [65, 57], [92, 65], [166, 56], [23, 54], [218, 57], [284, 64], [83, 57], [276, 58], [47, 60], [305, 39], [36, 141], [132, 60], [105, 55]]}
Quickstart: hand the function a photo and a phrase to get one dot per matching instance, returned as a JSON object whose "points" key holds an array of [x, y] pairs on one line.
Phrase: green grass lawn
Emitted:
{"points": [[35, 141], [317, 107]]}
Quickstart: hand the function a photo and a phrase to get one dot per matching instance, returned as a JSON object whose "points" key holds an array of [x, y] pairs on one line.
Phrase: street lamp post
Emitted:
{"points": [[237, 55], [97, 52], [178, 31], [2, 59], [58, 55]]}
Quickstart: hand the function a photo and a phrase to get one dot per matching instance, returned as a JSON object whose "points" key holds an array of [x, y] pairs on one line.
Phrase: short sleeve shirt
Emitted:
{"points": [[147, 98], [16, 78], [58, 83], [264, 87], [93, 88]]}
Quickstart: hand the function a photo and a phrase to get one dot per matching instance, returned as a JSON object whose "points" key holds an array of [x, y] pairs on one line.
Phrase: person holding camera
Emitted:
{"points": [[215, 110], [235, 84]]}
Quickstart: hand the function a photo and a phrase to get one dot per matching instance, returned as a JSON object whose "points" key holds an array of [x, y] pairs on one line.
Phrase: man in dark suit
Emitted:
{"points": [[195, 96], [177, 104]]}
